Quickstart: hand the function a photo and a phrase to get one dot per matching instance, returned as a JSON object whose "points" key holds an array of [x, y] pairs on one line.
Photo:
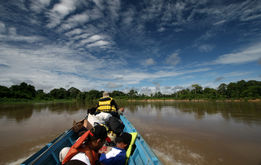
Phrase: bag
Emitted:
{"points": [[115, 125], [79, 128]]}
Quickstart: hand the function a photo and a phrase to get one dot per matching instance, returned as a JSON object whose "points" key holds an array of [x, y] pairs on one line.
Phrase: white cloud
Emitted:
{"points": [[173, 59], [205, 48], [101, 44], [112, 85], [99, 4], [38, 5], [75, 21], [250, 54], [74, 32], [12, 36], [60, 10], [2, 27], [50, 66], [236, 74], [220, 22], [135, 77], [114, 7], [149, 61]]}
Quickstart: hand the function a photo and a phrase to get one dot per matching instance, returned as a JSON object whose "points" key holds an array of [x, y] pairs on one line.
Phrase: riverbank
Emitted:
{"points": [[194, 100], [34, 101]]}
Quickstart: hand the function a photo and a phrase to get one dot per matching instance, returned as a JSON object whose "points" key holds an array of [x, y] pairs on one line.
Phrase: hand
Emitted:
{"points": [[121, 110]]}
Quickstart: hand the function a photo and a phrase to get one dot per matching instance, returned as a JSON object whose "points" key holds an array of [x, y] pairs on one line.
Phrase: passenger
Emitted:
{"points": [[87, 146], [117, 155], [108, 104]]}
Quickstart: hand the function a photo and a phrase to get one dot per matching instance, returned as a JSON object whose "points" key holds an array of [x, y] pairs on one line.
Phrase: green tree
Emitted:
{"points": [[118, 94], [73, 92], [4, 92], [210, 93], [222, 90], [132, 93], [23, 91], [93, 95], [252, 92], [60, 93], [197, 89], [40, 94], [233, 90]]}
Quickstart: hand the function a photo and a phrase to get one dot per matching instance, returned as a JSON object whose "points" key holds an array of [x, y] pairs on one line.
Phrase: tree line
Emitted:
{"points": [[234, 90]]}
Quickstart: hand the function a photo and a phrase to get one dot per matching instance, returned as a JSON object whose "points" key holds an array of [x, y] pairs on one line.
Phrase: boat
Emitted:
{"points": [[49, 154]]}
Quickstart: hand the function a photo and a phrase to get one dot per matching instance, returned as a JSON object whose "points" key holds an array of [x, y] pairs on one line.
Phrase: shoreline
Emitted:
{"points": [[24, 101], [194, 100]]}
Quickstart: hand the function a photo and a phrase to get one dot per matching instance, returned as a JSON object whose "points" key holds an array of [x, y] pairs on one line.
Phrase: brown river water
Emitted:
{"points": [[188, 133]]}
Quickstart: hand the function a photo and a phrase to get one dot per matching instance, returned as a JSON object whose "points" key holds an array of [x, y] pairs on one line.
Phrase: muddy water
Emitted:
{"points": [[179, 133]]}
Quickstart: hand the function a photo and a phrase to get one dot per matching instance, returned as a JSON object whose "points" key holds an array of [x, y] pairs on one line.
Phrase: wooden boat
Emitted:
{"points": [[49, 154]]}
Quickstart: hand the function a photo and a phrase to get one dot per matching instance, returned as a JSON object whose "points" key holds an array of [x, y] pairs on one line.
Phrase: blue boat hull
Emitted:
{"points": [[50, 153]]}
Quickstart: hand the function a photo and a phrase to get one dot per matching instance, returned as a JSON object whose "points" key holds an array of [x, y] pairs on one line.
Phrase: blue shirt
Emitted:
{"points": [[116, 156]]}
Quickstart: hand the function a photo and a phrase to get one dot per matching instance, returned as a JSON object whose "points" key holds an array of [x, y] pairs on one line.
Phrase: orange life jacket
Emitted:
{"points": [[76, 148]]}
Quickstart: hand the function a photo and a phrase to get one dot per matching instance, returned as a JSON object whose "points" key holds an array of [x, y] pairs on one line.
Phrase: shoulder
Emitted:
{"points": [[82, 157], [115, 155], [105, 99]]}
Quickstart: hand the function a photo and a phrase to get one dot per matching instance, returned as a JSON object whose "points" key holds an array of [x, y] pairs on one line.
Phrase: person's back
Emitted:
{"points": [[88, 144], [107, 104]]}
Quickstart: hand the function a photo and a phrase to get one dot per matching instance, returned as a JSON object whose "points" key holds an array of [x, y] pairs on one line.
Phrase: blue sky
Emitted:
{"points": [[147, 45]]}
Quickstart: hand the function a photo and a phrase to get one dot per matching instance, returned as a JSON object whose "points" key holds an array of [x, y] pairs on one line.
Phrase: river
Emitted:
{"points": [[180, 133]]}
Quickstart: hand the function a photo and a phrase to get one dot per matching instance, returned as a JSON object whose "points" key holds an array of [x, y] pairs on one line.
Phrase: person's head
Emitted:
{"points": [[98, 135], [123, 141], [105, 94], [75, 162]]}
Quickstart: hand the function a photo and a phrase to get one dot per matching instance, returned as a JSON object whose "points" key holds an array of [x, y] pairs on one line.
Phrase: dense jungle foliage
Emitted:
{"points": [[234, 90]]}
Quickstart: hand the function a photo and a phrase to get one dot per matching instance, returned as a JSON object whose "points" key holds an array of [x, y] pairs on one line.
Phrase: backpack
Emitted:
{"points": [[115, 125]]}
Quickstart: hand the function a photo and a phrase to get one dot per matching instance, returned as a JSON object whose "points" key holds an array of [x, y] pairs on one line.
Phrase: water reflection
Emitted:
{"points": [[21, 112], [237, 111], [200, 132]]}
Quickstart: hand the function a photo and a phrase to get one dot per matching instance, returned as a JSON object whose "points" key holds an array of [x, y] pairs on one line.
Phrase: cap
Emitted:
{"points": [[99, 132], [105, 94], [124, 137]]}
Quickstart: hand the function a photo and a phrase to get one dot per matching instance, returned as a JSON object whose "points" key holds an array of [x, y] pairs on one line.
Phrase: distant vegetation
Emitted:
{"points": [[234, 90]]}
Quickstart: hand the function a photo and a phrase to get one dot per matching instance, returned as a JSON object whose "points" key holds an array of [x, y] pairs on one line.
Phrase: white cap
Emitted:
{"points": [[105, 94]]}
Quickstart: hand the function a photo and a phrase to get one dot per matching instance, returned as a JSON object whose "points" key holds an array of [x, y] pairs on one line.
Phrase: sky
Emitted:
{"points": [[146, 45]]}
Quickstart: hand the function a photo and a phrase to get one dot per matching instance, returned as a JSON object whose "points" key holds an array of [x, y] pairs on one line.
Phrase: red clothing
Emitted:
{"points": [[79, 147]]}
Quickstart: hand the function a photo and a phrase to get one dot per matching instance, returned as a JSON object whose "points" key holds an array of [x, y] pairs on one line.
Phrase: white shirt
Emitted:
{"points": [[82, 157]]}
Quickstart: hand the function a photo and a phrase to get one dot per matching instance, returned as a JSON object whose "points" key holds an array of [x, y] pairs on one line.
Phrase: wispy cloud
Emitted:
{"points": [[206, 48], [250, 54], [9, 34], [39, 5], [236, 74], [173, 59], [219, 79], [149, 61], [113, 85], [60, 10], [77, 40], [2, 27]]}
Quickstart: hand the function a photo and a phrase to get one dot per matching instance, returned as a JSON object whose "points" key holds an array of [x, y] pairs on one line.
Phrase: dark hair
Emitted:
{"points": [[91, 110], [75, 162], [99, 132], [125, 138]]}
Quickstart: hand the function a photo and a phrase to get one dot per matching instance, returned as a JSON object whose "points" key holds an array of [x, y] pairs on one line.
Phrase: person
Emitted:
{"points": [[108, 104], [117, 155], [87, 146]]}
